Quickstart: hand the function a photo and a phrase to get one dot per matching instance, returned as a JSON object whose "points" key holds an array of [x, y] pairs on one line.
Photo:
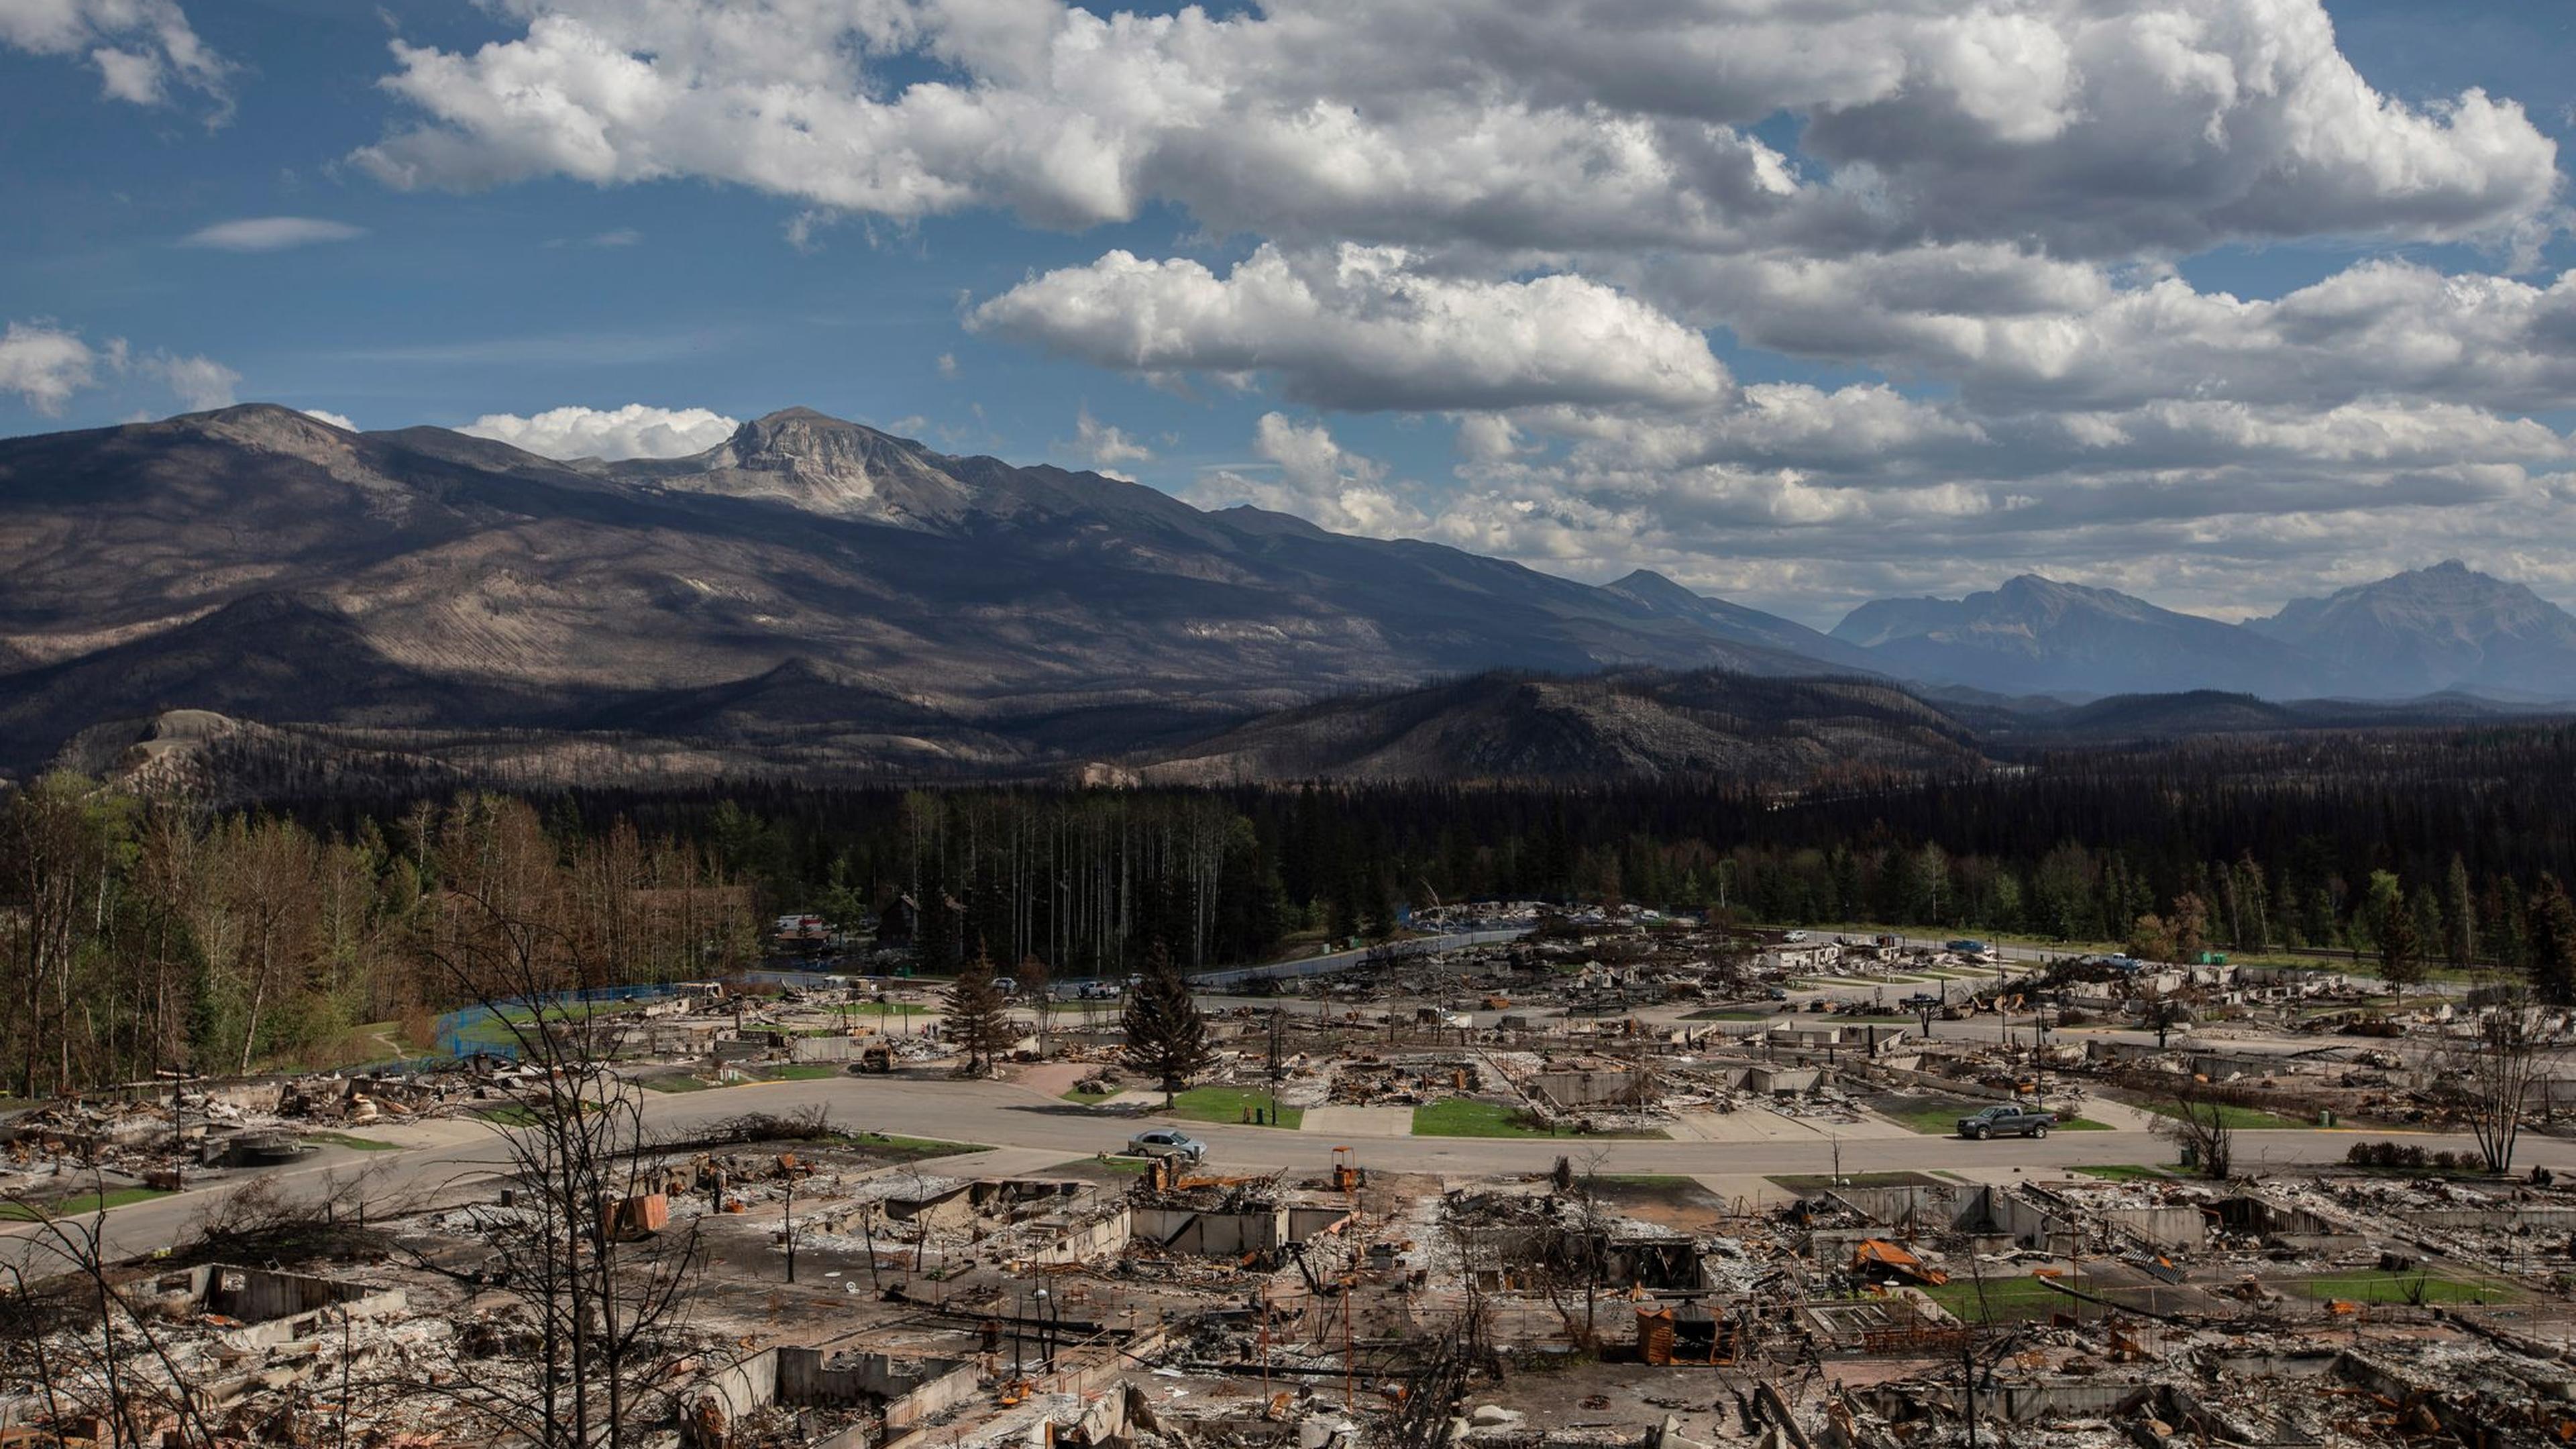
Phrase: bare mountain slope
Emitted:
{"points": [[1506, 727], [926, 608]]}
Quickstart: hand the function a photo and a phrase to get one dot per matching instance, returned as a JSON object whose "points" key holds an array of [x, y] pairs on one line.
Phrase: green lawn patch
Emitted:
{"points": [[886, 1143], [674, 1084], [1232, 1104], [2002, 1300], [343, 1139], [2127, 1172], [1803, 1182], [802, 1072], [1466, 1117], [2403, 1288], [77, 1205], [513, 1114]]}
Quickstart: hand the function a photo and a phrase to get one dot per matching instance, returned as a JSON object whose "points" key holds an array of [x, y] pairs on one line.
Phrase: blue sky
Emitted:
{"points": [[1581, 381]]}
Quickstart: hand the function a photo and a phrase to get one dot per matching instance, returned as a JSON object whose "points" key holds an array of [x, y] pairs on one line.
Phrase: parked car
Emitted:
{"points": [[1794, 937], [1165, 1142], [2007, 1122], [1096, 991]]}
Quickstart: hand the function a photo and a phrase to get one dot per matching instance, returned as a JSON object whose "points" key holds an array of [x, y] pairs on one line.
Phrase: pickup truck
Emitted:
{"points": [[2007, 1122]]}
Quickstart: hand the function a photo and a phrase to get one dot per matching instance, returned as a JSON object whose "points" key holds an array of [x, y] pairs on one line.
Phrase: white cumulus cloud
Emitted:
{"points": [[1591, 123], [632, 431], [337, 420], [141, 47], [1359, 328], [201, 383], [1106, 447], [1313, 477], [44, 365]]}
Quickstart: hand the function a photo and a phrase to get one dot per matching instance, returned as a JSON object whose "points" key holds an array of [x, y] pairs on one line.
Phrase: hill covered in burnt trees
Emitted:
{"points": [[143, 932]]}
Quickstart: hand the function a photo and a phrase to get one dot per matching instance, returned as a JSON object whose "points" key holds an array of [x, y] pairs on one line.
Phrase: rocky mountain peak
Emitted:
{"points": [[263, 425], [823, 464], [1646, 584]]}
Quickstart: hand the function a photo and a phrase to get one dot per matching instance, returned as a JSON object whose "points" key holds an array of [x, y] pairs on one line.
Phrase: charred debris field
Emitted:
{"points": [[2119, 1093]]}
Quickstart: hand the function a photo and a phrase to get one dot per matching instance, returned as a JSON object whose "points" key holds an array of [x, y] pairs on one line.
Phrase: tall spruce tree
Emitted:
{"points": [[977, 1018], [1166, 1035]]}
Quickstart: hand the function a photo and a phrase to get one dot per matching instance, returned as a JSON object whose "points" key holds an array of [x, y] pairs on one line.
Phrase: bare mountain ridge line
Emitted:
{"points": [[813, 595], [1518, 727], [953, 612]]}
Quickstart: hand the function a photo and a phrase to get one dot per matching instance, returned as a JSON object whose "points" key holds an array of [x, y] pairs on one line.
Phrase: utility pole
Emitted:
{"points": [[791, 1226], [1278, 1016], [1968, 1391]]}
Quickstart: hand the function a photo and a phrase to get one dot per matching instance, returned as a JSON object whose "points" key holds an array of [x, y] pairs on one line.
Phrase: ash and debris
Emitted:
{"points": [[1197, 1307]]}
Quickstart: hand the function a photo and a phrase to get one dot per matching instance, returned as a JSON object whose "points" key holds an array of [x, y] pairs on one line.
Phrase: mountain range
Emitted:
{"points": [[809, 594], [812, 596], [2427, 631]]}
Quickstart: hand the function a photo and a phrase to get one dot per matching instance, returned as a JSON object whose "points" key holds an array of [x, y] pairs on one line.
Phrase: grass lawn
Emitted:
{"points": [[1820, 1181], [343, 1139], [1465, 1117], [511, 1115], [2402, 1288], [1231, 1104], [2004, 1300], [888, 1143], [674, 1084], [802, 1072], [2129, 1172], [77, 1204], [2242, 1118]]}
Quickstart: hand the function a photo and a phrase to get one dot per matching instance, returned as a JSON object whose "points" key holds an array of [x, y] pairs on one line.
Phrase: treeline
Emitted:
{"points": [[138, 937], [2301, 841]]}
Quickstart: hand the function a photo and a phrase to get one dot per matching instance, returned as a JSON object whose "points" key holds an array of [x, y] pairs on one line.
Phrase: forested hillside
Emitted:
{"points": [[137, 935]]}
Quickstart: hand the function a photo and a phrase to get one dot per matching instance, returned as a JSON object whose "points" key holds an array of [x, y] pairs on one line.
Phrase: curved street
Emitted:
{"points": [[444, 1160]]}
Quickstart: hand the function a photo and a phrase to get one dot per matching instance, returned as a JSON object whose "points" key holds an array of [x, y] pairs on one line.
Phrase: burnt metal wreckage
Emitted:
{"points": [[842, 1290]]}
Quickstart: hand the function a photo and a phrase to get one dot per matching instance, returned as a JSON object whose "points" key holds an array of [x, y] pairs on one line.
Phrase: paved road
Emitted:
{"points": [[1327, 962], [1002, 1115]]}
